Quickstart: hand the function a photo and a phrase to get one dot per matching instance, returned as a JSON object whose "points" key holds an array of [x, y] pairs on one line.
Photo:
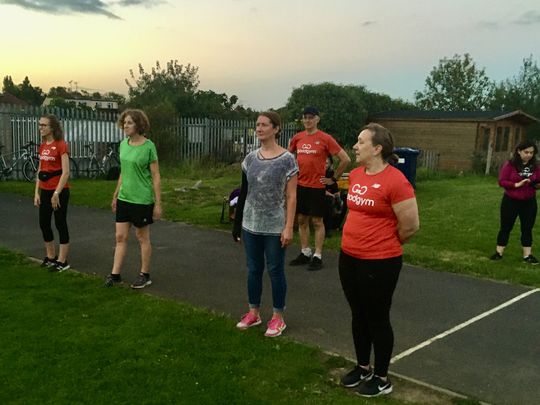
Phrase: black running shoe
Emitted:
{"points": [[356, 376], [49, 262], [315, 264], [142, 281], [374, 387], [60, 267], [495, 256], [300, 260], [113, 279], [531, 260]]}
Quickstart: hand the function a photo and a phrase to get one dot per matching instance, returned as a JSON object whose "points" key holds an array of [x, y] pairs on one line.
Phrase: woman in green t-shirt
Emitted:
{"points": [[137, 198]]}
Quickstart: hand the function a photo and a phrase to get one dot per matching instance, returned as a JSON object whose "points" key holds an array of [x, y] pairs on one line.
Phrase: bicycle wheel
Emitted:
{"points": [[73, 169], [110, 161], [92, 170], [30, 169]]}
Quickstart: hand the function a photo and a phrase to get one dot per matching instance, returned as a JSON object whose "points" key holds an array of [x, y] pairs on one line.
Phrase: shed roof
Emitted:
{"points": [[7, 98], [432, 115]]}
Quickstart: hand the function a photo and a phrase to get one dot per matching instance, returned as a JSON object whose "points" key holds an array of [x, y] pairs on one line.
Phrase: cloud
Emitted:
{"points": [[489, 25], [531, 17], [145, 3], [80, 6], [367, 23], [64, 6]]}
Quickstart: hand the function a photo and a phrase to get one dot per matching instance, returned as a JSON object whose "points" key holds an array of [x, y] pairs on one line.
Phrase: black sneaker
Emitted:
{"points": [[142, 281], [531, 260], [495, 256], [315, 264], [374, 387], [112, 279], [300, 260], [356, 376], [60, 267], [49, 262]]}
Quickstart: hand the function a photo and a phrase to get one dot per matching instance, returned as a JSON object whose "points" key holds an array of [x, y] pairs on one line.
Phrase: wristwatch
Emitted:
{"points": [[334, 179]]}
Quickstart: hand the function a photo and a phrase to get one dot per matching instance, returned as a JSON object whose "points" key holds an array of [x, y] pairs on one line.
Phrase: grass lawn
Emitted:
{"points": [[459, 217], [67, 340]]}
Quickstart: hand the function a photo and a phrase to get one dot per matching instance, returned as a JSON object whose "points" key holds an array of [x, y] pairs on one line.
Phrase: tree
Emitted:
{"points": [[170, 92], [65, 104], [341, 113], [59, 92], [522, 92], [24, 91], [178, 84], [344, 108], [112, 96], [32, 95], [456, 84], [164, 94], [9, 87], [175, 83]]}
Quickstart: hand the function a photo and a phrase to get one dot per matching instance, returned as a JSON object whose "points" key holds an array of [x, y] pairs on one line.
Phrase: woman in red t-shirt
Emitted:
{"points": [[383, 215], [52, 191]]}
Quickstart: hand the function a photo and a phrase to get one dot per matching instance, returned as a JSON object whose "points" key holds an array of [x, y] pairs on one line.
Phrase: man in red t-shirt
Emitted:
{"points": [[312, 146]]}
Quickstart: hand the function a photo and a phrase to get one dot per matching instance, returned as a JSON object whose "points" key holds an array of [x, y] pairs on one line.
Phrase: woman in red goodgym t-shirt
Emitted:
{"points": [[52, 191], [383, 215]]}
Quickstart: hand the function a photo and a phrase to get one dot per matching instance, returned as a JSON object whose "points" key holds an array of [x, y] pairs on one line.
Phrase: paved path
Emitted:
{"points": [[494, 358]]}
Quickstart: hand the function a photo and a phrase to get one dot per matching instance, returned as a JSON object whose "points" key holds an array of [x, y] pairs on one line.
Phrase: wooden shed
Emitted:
{"points": [[462, 140]]}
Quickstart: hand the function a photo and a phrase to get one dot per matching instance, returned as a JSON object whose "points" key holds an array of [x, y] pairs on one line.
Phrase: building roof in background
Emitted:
{"points": [[6, 98], [432, 115]]}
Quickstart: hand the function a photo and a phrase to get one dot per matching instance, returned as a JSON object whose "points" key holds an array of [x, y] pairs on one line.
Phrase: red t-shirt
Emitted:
{"points": [[50, 157], [311, 153], [370, 231]]}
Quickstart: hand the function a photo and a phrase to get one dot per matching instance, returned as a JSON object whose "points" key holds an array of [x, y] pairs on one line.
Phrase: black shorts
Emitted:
{"points": [[310, 201], [139, 215]]}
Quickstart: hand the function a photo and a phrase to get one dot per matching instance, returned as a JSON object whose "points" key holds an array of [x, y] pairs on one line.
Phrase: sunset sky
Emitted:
{"points": [[261, 50]]}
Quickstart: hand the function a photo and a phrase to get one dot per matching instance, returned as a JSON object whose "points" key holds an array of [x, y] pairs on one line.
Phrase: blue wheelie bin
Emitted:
{"points": [[407, 163]]}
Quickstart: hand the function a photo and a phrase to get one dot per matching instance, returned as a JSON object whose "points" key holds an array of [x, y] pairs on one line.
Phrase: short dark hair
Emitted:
{"points": [[56, 127], [274, 118], [139, 117]]}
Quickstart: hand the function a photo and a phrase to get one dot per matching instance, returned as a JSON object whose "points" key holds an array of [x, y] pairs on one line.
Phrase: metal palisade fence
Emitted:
{"points": [[19, 125], [225, 141], [189, 139]]}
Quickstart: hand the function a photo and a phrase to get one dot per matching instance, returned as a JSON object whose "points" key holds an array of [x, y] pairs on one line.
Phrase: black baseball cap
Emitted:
{"points": [[311, 111]]}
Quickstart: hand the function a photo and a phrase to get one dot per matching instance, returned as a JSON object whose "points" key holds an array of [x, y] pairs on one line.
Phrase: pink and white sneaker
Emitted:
{"points": [[249, 320], [275, 327]]}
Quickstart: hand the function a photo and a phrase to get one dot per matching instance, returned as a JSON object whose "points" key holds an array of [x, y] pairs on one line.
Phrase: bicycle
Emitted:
{"points": [[31, 164], [108, 161], [29, 167]]}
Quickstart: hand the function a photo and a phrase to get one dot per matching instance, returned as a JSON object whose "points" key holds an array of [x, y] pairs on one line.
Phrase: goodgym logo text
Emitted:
{"points": [[45, 155], [306, 149], [355, 196]]}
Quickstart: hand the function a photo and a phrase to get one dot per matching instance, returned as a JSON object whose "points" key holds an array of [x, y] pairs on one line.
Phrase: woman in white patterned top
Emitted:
{"points": [[264, 219]]}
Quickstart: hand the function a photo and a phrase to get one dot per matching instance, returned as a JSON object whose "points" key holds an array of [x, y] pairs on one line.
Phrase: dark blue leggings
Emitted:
{"points": [[510, 210], [60, 216]]}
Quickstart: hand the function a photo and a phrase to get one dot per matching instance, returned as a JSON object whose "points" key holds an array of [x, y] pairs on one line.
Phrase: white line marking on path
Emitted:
{"points": [[461, 326]]}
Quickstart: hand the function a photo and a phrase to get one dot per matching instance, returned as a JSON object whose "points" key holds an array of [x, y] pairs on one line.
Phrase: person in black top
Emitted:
{"points": [[334, 204]]}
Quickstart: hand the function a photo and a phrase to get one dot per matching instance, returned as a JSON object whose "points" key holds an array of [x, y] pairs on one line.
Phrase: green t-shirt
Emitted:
{"points": [[135, 162]]}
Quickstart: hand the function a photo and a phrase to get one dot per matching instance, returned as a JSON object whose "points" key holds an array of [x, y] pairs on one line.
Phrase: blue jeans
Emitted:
{"points": [[259, 247]]}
